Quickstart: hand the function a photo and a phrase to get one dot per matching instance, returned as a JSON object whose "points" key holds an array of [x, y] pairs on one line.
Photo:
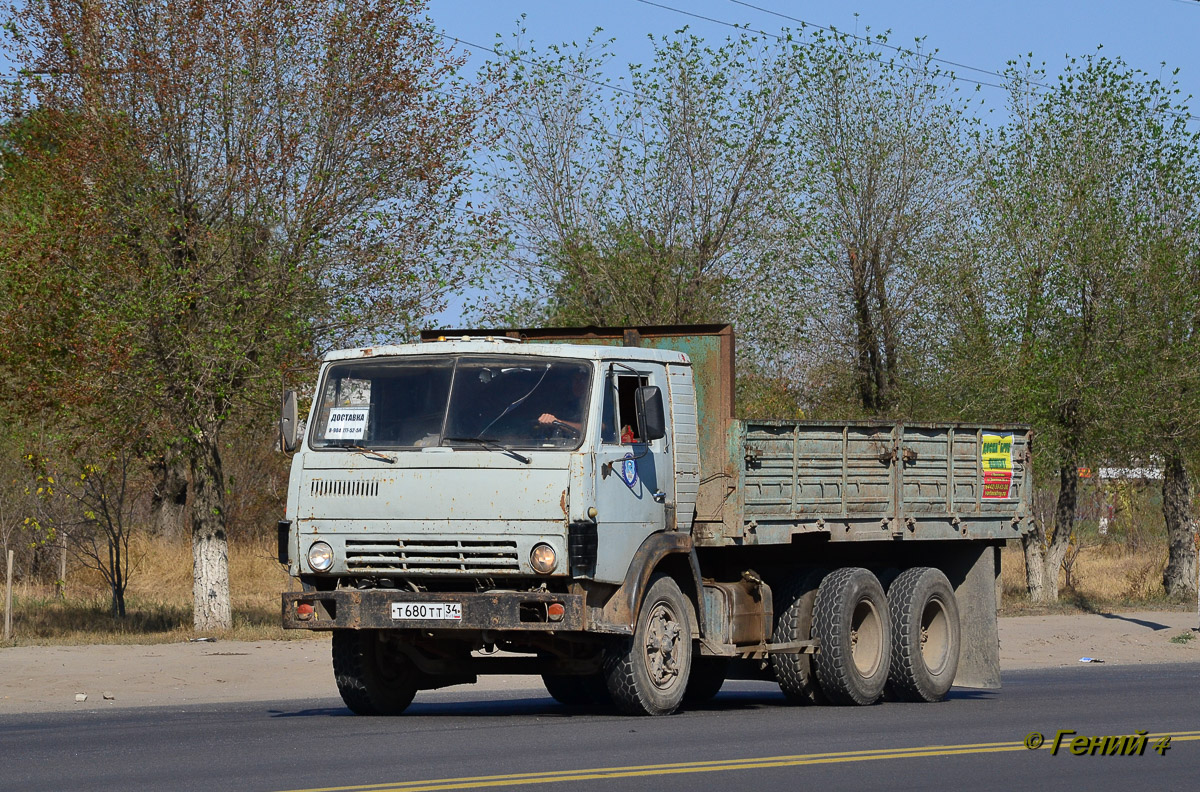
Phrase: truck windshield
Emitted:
{"points": [[512, 402]]}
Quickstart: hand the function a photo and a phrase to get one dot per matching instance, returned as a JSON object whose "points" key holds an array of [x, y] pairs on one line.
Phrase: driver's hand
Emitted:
{"points": [[547, 418]]}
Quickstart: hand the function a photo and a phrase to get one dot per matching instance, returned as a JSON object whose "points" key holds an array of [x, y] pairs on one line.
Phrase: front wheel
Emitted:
{"points": [[373, 676], [648, 675], [850, 617]]}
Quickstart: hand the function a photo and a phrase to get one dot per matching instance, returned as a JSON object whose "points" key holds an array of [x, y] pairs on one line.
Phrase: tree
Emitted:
{"points": [[880, 154], [649, 200], [256, 180], [1064, 194], [1156, 411], [92, 505]]}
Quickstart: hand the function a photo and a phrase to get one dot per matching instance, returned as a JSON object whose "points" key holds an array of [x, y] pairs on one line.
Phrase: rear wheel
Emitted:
{"points": [[648, 674], [850, 619], [925, 635], [794, 672], [373, 676]]}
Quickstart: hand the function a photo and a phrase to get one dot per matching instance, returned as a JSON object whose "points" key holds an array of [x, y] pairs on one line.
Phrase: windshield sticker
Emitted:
{"points": [[629, 471], [347, 423], [997, 467]]}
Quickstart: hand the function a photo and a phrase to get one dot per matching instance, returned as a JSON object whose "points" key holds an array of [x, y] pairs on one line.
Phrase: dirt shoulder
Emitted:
{"points": [[48, 678], [1119, 638]]}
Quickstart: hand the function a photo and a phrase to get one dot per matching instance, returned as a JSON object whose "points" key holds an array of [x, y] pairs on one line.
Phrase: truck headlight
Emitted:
{"points": [[320, 557], [543, 559]]}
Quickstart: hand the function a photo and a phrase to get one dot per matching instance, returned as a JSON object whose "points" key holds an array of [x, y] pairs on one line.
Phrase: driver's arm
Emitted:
{"points": [[551, 418]]}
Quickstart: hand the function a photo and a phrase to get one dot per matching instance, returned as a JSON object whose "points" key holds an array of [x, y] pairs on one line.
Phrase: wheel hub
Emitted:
{"points": [[662, 647]]}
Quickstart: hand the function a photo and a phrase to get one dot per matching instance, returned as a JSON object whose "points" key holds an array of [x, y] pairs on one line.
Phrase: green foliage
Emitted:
{"points": [[197, 199], [881, 161], [656, 202], [201, 206], [1086, 203], [1077, 312], [766, 396]]}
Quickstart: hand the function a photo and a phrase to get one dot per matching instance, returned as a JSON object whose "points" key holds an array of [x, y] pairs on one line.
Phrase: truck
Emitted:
{"points": [[582, 504]]}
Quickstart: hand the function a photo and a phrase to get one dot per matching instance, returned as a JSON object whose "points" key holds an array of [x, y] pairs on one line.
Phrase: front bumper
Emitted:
{"points": [[371, 609]]}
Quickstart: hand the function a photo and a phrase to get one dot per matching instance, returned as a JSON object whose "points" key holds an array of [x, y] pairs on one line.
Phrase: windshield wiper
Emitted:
{"points": [[493, 445], [509, 408], [371, 453]]}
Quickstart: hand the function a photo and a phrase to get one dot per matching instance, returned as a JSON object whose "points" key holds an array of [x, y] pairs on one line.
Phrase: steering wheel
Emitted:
{"points": [[563, 429]]}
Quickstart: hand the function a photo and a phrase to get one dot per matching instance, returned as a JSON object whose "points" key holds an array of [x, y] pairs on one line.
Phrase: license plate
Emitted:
{"points": [[427, 611]]}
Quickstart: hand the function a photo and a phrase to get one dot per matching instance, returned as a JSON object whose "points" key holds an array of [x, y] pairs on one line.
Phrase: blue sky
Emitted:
{"points": [[1145, 33], [981, 34], [984, 35]]}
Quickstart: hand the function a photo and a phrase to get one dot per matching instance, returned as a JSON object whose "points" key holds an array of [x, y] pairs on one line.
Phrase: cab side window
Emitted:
{"points": [[620, 423]]}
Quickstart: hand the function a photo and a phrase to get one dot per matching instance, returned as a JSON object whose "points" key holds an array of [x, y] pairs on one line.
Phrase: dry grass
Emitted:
{"points": [[159, 596], [1107, 577], [158, 600]]}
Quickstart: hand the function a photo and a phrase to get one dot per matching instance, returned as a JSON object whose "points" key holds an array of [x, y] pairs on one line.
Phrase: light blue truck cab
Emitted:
{"points": [[584, 502]]}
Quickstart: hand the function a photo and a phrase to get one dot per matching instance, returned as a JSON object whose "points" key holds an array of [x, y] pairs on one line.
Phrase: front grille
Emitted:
{"points": [[345, 488], [432, 556]]}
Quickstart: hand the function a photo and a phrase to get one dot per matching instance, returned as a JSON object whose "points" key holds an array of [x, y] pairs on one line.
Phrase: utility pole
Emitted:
{"points": [[8, 599], [62, 568]]}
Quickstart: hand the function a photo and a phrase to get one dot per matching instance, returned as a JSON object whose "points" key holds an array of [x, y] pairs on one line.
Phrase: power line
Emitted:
{"points": [[902, 50], [777, 37], [950, 75], [528, 62]]}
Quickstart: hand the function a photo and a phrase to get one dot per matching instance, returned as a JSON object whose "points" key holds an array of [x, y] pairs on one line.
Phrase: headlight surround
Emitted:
{"points": [[543, 559], [320, 557]]}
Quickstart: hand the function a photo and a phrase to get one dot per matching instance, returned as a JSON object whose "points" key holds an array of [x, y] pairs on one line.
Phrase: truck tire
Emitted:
{"points": [[925, 635], [793, 622], [850, 617], [648, 674], [705, 681], [577, 691], [373, 677]]}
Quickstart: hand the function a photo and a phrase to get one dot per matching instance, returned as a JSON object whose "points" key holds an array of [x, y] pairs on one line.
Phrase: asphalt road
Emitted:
{"points": [[746, 739]]}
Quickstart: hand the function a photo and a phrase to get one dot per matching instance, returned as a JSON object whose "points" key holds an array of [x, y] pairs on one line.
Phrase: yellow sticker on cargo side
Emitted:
{"points": [[997, 467]]}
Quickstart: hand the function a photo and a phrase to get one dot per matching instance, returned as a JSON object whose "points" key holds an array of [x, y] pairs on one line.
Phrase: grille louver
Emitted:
{"points": [[432, 556], [322, 488]]}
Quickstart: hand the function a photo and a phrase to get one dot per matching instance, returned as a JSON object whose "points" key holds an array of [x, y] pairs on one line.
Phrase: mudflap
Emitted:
{"points": [[978, 569]]}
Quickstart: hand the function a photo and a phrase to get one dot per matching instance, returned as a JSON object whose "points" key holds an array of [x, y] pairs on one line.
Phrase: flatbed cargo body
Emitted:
{"points": [[872, 481]]}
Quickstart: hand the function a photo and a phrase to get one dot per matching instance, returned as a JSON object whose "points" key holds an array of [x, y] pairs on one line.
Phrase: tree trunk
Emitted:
{"points": [[210, 550], [1179, 578], [116, 563], [170, 495], [1033, 544], [867, 372], [1044, 555], [60, 585]]}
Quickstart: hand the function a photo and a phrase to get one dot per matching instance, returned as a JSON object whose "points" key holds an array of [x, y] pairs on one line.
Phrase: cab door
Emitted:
{"points": [[635, 479]]}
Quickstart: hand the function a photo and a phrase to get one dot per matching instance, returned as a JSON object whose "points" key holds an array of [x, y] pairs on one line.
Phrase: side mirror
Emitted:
{"points": [[288, 422], [649, 403]]}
